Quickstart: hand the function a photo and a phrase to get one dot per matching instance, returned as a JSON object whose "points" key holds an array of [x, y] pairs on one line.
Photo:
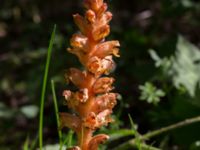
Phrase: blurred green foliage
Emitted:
{"points": [[150, 93], [173, 66]]}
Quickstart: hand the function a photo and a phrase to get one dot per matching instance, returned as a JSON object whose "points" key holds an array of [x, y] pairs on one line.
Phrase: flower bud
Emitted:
{"points": [[90, 16], [102, 10], [80, 22], [93, 4]]}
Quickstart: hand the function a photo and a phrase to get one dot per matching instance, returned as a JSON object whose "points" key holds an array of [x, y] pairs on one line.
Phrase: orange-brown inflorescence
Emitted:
{"points": [[93, 102]]}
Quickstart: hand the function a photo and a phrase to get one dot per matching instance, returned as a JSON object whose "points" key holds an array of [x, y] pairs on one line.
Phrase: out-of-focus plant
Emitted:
{"points": [[150, 93], [183, 68]]}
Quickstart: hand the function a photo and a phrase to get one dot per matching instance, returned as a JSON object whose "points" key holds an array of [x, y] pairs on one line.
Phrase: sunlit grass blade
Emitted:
{"points": [[26, 143], [56, 113], [69, 138], [33, 144], [44, 87]]}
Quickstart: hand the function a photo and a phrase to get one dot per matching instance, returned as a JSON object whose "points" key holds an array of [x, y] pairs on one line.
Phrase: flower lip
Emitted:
{"points": [[93, 4]]}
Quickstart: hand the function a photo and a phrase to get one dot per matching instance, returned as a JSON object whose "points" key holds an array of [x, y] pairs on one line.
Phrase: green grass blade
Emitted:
{"points": [[69, 138], [56, 113], [26, 143], [44, 87], [33, 144]]}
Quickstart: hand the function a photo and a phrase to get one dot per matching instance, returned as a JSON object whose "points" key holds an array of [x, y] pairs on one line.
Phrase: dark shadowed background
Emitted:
{"points": [[171, 71]]}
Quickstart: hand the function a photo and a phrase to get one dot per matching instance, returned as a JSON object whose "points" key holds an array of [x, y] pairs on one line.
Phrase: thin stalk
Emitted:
{"points": [[33, 144], [154, 133], [171, 127], [56, 113], [26, 143], [44, 87], [68, 140]]}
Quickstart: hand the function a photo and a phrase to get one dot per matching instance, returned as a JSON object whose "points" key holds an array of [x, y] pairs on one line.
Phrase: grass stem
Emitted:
{"points": [[49, 52], [56, 113], [132, 142]]}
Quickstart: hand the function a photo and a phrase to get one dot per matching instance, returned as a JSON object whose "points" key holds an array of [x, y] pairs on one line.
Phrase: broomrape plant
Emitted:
{"points": [[94, 101]]}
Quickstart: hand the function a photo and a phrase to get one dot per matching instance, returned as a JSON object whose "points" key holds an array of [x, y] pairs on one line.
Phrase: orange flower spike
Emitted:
{"points": [[92, 103]]}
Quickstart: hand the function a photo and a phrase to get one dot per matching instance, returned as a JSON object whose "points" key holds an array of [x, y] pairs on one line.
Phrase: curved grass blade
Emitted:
{"points": [[44, 87], [56, 113]]}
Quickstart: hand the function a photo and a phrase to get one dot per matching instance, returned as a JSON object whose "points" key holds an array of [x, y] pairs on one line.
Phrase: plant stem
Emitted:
{"points": [[154, 133], [171, 127], [44, 87], [56, 113]]}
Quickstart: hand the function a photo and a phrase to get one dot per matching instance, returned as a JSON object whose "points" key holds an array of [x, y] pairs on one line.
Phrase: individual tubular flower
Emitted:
{"points": [[103, 85], [105, 101], [92, 102]]}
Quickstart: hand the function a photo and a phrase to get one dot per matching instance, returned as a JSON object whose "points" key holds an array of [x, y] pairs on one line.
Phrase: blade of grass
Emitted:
{"points": [[26, 143], [44, 87], [68, 140], [56, 113], [33, 144]]}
